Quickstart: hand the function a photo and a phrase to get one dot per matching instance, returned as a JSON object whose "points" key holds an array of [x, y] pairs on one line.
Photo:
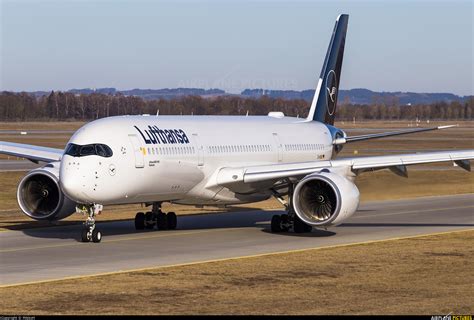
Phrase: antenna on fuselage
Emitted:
{"points": [[247, 113], [157, 112]]}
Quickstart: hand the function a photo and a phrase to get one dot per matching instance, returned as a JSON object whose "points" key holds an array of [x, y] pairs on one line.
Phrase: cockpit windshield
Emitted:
{"points": [[97, 149]]}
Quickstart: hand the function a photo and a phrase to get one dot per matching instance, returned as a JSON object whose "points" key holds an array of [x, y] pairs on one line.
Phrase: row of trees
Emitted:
{"points": [[69, 106]]}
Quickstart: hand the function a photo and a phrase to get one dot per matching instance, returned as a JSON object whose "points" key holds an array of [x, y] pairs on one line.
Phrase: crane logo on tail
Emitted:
{"points": [[331, 87]]}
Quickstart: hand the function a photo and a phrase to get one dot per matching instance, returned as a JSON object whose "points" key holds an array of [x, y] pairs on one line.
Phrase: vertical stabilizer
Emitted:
{"points": [[323, 106]]}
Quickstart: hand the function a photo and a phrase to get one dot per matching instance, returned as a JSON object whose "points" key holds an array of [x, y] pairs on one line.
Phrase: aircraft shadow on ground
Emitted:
{"points": [[254, 219], [316, 233]]}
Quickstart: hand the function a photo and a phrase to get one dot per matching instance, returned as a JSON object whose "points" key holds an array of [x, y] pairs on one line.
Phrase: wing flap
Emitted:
{"points": [[31, 152], [279, 171], [230, 175]]}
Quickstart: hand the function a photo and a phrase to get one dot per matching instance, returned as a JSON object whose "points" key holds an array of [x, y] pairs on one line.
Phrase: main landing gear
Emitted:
{"points": [[89, 230], [156, 217], [290, 220]]}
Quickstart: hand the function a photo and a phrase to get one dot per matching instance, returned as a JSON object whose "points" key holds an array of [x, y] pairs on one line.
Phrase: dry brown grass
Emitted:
{"points": [[41, 125], [384, 185], [423, 275]]}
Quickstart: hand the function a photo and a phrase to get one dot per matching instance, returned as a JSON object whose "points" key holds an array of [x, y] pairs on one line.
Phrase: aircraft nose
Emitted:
{"points": [[72, 182]]}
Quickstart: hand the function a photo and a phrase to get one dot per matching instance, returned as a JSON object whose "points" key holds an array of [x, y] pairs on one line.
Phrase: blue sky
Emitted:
{"points": [[420, 46]]}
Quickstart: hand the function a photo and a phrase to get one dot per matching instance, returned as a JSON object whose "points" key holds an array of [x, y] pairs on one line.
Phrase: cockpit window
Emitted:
{"points": [[100, 150], [97, 149], [87, 150], [73, 150]]}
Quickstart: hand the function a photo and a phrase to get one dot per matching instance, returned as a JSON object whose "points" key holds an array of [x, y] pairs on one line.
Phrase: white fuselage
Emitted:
{"points": [[175, 158]]}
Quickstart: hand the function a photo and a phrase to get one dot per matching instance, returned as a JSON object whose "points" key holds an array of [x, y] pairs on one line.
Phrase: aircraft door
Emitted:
{"points": [[279, 146], [200, 149], [137, 150]]}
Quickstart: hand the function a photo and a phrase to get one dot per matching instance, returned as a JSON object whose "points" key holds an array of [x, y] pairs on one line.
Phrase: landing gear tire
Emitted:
{"points": [[96, 236], [300, 227], [276, 224], [161, 221], [171, 220], [140, 221], [85, 235], [285, 222], [149, 221]]}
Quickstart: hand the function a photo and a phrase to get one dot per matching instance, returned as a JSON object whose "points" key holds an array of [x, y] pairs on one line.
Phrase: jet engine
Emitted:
{"points": [[40, 196], [325, 199]]}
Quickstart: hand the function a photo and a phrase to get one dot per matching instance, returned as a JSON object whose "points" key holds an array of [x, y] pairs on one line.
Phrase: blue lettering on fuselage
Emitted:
{"points": [[155, 135]]}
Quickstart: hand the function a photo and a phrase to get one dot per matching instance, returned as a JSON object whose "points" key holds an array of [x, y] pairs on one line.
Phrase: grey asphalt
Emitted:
{"points": [[18, 165], [55, 252]]}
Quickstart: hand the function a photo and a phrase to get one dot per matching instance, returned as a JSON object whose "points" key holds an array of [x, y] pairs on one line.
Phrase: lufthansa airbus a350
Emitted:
{"points": [[213, 160]]}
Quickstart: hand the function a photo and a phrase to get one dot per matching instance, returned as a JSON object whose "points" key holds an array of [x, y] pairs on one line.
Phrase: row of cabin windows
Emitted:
{"points": [[170, 150], [304, 147], [240, 148], [232, 148]]}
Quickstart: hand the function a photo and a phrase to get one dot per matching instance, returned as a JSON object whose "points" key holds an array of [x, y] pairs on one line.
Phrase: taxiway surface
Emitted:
{"points": [[55, 252]]}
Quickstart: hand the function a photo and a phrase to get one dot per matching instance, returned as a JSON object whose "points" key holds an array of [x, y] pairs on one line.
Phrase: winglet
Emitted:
{"points": [[447, 127]]}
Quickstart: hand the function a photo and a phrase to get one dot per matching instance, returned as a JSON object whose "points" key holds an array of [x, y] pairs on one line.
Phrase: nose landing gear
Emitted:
{"points": [[89, 230]]}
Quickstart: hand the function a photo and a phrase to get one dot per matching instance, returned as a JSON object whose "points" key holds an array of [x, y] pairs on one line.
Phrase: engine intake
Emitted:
{"points": [[325, 198], [40, 197]]}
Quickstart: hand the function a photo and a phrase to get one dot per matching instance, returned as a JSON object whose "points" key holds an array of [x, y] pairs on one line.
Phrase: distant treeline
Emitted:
{"points": [[70, 106]]}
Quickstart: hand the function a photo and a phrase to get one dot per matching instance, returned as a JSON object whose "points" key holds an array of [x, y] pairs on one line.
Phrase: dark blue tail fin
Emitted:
{"points": [[323, 107]]}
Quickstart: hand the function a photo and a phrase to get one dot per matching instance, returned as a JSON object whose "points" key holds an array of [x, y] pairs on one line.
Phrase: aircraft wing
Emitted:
{"points": [[31, 152], [396, 163], [388, 134]]}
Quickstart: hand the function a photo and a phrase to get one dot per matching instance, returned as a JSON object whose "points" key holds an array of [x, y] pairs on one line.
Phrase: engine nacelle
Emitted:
{"points": [[325, 199], [40, 196]]}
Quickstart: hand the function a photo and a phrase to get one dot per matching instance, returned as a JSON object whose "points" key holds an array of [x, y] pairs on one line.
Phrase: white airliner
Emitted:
{"points": [[213, 160]]}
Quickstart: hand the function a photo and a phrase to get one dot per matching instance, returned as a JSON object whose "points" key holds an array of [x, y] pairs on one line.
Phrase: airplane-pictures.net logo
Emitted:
{"points": [[450, 316], [155, 135], [331, 88]]}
